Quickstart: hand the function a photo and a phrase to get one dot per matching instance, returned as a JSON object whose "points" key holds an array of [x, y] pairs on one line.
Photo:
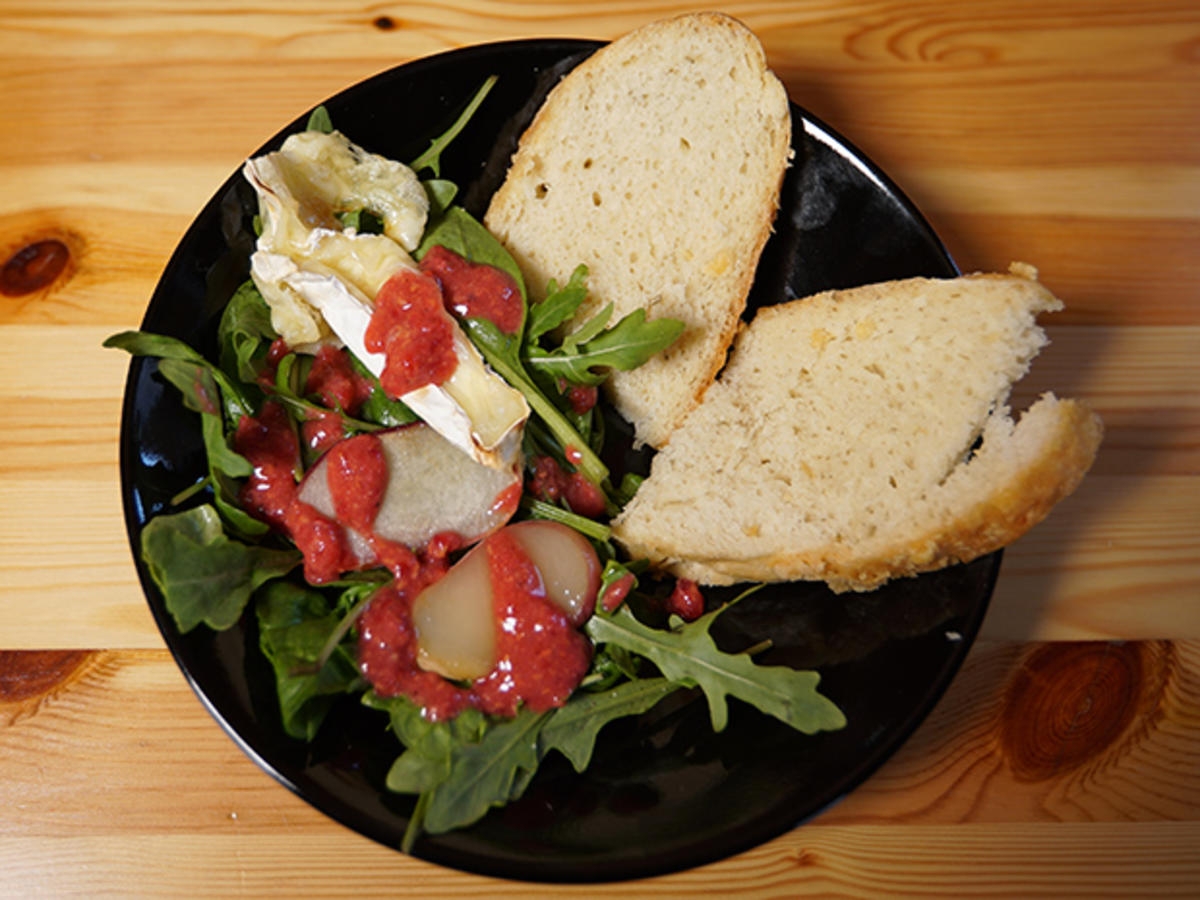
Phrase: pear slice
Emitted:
{"points": [[568, 564], [431, 489], [455, 618], [455, 621]]}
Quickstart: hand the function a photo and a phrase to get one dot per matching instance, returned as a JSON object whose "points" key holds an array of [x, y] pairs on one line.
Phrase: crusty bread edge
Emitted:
{"points": [[993, 521]]}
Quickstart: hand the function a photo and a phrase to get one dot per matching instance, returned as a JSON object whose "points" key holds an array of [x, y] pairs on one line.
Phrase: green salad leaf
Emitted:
{"points": [[487, 773], [463, 767], [573, 728], [294, 624], [559, 305], [244, 333], [206, 577], [318, 120], [379, 408], [688, 655], [232, 395], [212, 560], [459, 231], [589, 354]]}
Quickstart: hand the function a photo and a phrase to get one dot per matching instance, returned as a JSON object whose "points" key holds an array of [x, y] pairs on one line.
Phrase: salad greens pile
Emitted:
{"points": [[213, 562]]}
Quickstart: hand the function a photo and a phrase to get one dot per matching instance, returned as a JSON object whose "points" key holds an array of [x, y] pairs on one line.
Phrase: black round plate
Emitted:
{"points": [[663, 793]]}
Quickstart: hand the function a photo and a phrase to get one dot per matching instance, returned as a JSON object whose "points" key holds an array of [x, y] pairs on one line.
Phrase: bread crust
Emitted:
{"points": [[998, 516]]}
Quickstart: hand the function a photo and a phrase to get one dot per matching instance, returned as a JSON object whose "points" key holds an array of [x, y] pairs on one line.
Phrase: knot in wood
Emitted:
{"points": [[33, 267], [1068, 703], [27, 674]]}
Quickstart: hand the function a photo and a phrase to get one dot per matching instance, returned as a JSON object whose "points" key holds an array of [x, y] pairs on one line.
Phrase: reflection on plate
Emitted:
{"points": [[663, 793]]}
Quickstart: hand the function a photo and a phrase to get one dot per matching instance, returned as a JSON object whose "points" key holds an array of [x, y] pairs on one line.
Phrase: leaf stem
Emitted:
{"points": [[539, 509], [431, 158]]}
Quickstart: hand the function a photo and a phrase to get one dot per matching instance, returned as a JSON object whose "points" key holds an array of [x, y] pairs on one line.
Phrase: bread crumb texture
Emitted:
{"points": [[862, 435], [656, 163]]}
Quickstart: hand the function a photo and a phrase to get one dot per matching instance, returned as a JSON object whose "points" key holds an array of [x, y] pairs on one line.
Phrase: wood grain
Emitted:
{"points": [[1062, 761], [1115, 860], [1011, 744]]}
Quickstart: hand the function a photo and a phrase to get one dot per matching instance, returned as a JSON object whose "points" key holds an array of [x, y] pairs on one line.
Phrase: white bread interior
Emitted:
{"points": [[862, 435], [657, 163]]}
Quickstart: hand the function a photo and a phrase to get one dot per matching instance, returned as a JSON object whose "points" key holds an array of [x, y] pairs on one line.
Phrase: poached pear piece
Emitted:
{"points": [[431, 489], [320, 278], [455, 619]]}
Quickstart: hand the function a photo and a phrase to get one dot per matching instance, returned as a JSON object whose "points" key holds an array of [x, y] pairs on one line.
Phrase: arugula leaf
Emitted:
{"points": [[294, 625], [432, 158], [488, 773], [586, 356], [502, 353], [290, 377], [144, 343], [539, 509], [559, 305], [573, 728], [688, 655], [198, 387], [200, 393], [379, 407], [205, 576]]}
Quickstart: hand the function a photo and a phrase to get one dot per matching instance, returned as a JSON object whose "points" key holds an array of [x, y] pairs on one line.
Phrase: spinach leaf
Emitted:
{"points": [[441, 194], [459, 231], [206, 577], [294, 625], [244, 333], [688, 655]]}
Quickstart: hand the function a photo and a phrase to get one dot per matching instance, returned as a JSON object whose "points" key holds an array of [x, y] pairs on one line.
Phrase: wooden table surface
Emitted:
{"points": [[1065, 758]]}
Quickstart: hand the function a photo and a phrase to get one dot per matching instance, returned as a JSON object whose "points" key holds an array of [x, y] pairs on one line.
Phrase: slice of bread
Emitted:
{"points": [[657, 162], [861, 435]]}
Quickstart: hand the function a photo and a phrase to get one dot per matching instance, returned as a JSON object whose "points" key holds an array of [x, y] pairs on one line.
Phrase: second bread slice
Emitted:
{"points": [[862, 435]]}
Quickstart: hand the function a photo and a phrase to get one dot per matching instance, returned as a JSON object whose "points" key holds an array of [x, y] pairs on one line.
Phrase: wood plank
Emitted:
{"points": [[925, 72], [1066, 731], [116, 258], [1072, 732], [1071, 578], [1066, 763], [1112, 272], [1119, 860], [1117, 559]]}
